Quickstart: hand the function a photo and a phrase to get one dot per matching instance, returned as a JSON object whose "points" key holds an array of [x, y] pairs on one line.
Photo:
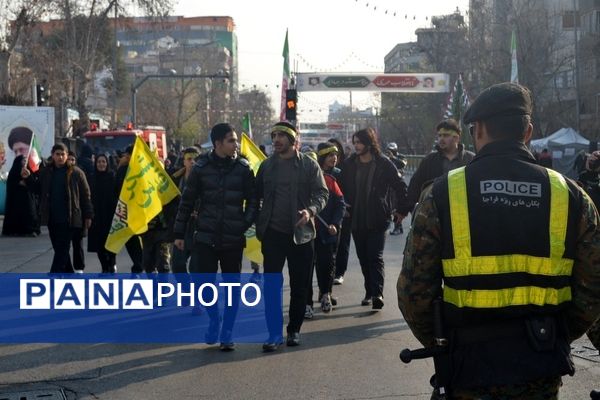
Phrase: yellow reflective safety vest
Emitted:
{"points": [[508, 242], [538, 286]]}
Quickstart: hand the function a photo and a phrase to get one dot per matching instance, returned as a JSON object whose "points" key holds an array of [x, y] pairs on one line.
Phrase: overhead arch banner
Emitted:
{"points": [[399, 83]]}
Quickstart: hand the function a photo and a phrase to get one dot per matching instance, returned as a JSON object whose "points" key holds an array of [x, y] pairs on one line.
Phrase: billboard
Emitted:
{"points": [[14, 120], [400, 83]]}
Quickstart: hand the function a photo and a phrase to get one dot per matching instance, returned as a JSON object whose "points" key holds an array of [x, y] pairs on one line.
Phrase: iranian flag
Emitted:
{"points": [[247, 125], [33, 156], [514, 68], [285, 82]]}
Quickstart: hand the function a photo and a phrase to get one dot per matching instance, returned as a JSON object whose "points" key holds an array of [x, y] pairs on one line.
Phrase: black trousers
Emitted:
{"points": [[78, 254], [60, 237], [369, 249], [325, 267], [276, 248], [206, 259], [107, 260], [134, 249], [343, 248]]}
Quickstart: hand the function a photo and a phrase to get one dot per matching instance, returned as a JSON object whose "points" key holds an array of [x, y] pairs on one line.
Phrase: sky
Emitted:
{"points": [[324, 36]]}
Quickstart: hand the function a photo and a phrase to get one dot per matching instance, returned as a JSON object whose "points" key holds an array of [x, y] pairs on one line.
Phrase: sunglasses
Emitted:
{"points": [[189, 157]]}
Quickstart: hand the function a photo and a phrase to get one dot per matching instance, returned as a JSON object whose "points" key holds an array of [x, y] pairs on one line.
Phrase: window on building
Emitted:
{"points": [[597, 22], [568, 20], [570, 78], [558, 80]]}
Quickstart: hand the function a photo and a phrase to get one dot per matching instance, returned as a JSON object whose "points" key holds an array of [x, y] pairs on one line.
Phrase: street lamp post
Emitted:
{"points": [[135, 86]]}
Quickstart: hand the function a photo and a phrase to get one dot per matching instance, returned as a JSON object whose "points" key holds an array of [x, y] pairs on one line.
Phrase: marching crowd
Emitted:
{"points": [[300, 201], [306, 205]]}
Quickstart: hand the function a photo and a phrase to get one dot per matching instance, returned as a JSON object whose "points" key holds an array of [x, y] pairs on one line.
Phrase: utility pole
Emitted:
{"points": [[113, 117], [34, 99], [575, 30]]}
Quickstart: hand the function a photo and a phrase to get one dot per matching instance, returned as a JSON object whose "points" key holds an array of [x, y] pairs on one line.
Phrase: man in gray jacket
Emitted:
{"points": [[293, 191]]}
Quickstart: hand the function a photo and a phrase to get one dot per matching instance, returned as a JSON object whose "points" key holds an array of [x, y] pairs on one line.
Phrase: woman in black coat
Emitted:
{"points": [[20, 215], [102, 186]]}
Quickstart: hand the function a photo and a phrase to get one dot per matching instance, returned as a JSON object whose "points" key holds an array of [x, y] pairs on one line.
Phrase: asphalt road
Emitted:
{"points": [[352, 353]]}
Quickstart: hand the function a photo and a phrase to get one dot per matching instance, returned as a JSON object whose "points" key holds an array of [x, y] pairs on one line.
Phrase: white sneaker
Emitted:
{"points": [[326, 303], [78, 271], [309, 312], [338, 280]]}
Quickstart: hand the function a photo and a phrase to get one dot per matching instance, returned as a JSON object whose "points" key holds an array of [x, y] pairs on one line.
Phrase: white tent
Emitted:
{"points": [[564, 145]]}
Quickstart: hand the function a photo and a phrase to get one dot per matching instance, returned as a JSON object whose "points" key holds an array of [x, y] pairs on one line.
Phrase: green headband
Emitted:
{"points": [[284, 129], [327, 150], [446, 131]]}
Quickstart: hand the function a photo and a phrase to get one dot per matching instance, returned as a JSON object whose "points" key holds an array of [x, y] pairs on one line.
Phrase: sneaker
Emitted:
{"points": [[366, 301], [326, 303], [78, 271], [309, 313], [226, 343], [397, 231], [377, 303], [338, 280], [293, 339], [272, 344], [226, 347], [334, 301]]}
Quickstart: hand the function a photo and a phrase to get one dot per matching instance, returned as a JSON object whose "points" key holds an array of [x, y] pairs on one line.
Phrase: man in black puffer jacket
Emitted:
{"points": [[224, 186], [222, 182]]}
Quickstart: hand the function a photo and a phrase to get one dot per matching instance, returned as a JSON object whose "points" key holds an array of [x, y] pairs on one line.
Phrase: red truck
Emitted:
{"points": [[109, 141]]}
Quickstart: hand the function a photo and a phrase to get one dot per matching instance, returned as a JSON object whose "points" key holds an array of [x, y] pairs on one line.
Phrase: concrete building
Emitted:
{"points": [[546, 35], [189, 45], [409, 118]]}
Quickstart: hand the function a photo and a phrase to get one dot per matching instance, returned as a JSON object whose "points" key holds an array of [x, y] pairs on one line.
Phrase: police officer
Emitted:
{"points": [[513, 250]]}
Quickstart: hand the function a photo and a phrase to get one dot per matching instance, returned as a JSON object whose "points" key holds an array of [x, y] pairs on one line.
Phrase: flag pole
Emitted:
{"points": [[30, 146]]}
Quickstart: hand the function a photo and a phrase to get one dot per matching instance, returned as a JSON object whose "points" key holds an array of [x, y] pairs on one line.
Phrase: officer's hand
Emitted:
{"points": [[398, 217], [25, 173], [304, 217], [179, 244], [332, 230]]}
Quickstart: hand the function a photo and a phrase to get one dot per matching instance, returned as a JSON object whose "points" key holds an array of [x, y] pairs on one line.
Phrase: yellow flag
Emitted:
{"points": [[146, 189], [251, 152], [254, 156]]}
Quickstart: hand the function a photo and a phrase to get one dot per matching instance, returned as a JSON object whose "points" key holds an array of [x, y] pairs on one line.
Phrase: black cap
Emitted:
{"points": [[501, 100]]}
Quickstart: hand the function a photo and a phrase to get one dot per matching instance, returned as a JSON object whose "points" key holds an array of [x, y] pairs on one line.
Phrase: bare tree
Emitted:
{"points": [[258, 103], [79, 43], [15, 17], [544, 55]]}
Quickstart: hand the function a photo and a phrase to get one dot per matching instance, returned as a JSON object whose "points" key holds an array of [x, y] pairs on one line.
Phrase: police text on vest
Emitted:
{"points": [[511, 188]]}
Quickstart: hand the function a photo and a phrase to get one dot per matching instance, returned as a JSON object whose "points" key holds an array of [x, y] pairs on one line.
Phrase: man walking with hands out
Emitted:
{"points": [[293, 191]]}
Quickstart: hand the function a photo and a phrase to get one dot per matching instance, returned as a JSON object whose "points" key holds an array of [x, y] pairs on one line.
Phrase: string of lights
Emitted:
{"points": [[340, 66], [391, 12]]}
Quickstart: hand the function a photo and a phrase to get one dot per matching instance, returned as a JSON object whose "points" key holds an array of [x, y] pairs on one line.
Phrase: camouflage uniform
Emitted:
{"points": [[420, 282]]}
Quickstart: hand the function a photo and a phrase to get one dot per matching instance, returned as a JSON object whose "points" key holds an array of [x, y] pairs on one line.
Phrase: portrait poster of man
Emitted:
{"points": [[18, 126]]}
